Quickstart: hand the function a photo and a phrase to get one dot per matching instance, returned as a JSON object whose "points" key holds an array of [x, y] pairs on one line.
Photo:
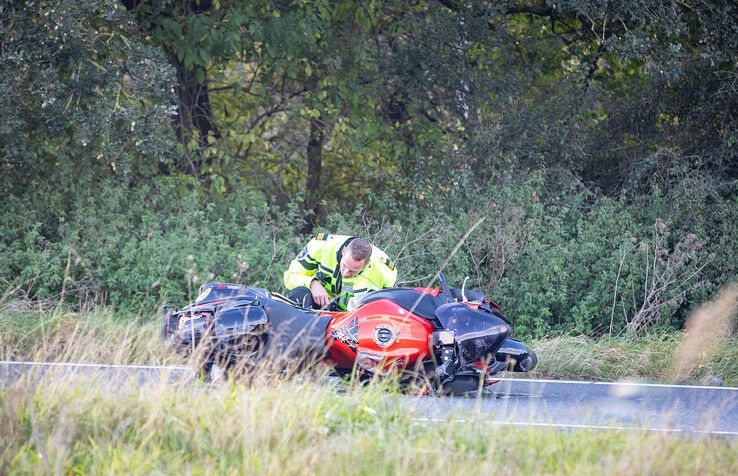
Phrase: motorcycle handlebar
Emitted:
{"points": [[445, 289]]}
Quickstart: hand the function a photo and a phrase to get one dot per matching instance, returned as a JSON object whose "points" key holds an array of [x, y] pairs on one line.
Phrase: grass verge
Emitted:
{"points": [[304, 428], [652, 359]]}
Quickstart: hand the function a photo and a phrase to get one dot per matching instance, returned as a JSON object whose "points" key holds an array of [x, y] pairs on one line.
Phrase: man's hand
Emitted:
{"points": [[320, 295]]}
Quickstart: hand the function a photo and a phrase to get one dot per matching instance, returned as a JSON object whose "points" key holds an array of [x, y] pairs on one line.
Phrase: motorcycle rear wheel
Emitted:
{"points": [[169, 323]]}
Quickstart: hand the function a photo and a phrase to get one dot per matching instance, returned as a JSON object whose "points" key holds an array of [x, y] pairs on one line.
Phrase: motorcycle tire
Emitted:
{"points": [[527, 364], [168, 323]]}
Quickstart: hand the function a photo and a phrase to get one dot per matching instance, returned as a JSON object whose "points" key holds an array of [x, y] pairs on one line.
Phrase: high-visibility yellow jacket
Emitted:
{"points": [[321, 260]]}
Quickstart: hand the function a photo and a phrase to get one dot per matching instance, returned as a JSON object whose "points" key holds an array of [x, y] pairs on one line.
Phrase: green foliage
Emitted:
{"points": [[79, 95], [564, 263], [150, 243], [596, 141], [567, 261]]}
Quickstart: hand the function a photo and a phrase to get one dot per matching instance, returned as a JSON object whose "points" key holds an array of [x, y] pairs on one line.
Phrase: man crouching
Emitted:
{"points": [[337, 266]]}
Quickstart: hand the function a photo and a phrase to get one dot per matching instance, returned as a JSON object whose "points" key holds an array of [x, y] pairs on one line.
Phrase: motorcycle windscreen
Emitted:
{"points": [[221, 291], [478, 334]]}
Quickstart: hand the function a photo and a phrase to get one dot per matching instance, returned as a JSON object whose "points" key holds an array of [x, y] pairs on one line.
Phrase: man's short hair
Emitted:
{"points": [[360, 249]]}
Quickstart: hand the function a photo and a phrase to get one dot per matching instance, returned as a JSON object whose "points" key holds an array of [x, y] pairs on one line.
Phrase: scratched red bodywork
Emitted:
{"points": [[410, 342]]}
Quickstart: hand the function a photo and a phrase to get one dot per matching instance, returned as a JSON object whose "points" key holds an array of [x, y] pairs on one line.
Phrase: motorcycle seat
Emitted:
{"points": [[295, 331]]}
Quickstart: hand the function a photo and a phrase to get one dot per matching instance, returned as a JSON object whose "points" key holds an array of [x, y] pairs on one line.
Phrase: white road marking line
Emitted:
{"points": [[632, 384], [101, 366], [501, 395], [577, 426], [529, 380]]}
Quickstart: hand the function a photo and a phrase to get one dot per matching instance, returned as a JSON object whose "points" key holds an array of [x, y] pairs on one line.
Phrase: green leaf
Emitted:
{"points": [[202, 55]]}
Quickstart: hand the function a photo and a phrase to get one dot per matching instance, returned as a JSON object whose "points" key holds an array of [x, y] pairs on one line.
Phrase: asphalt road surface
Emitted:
{"points": [[574, 404], [619, 406]]}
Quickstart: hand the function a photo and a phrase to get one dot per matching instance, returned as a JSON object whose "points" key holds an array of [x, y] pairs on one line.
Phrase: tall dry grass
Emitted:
{"points": [[706, 352], [87, 427], [99, 336], [102, 336], [272, 424], [651, 358], [707, 329]]}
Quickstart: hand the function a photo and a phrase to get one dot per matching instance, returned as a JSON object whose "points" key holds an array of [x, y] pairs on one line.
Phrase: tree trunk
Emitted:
{"points": [[194, 111], [314, 170]]}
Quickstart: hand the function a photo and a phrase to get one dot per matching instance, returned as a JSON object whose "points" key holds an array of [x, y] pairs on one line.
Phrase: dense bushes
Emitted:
{"points": [[576, 261], [566, 262], [152, 242]]}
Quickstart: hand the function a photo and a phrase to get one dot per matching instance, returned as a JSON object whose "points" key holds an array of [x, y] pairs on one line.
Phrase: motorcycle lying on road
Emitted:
{"points": [[453, 340]]}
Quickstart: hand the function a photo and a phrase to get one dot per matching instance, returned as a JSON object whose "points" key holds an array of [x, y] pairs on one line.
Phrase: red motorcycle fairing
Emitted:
{"points": [[379, 332]]}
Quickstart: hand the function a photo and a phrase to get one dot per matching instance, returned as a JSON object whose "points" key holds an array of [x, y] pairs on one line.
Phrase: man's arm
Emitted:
{"points": [[302, 269]]}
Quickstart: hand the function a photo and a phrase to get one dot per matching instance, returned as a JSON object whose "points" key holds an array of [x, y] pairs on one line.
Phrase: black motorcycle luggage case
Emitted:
{"points": [[287, 331]]}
